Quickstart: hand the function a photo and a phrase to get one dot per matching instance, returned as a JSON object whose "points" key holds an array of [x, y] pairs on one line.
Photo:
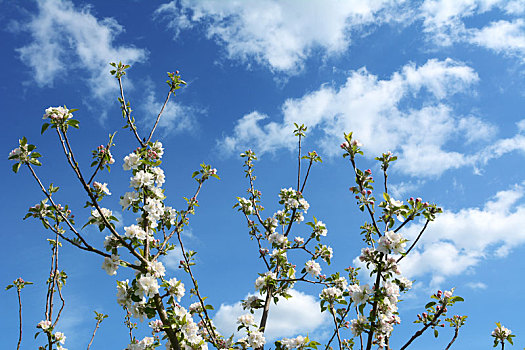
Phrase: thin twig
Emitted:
{"points": [[158, 117], [94, 332], [208, 323], [99, 165], [19, 317], [307, 173], [87, 246], [74, 165], [340, 323], [456, 331], [415, 242], [421, 331], [128, 114], [299, 165], [336, 327], [181, 222]]}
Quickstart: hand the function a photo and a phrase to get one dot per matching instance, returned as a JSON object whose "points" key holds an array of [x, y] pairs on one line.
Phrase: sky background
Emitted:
{"points": [[441, 83]]}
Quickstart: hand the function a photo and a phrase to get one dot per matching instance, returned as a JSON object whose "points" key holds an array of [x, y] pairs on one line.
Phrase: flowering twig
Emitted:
{"points": [[99, 317], [19, 283]]}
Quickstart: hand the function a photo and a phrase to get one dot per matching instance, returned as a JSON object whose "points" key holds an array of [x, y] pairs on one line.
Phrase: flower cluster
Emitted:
{"points": [[57, 114]]}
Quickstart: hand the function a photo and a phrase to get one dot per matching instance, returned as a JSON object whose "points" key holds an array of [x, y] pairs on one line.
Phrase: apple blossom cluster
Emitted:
{"points": [[24, 154], [254, 339], [102, 155], [193, 334], [58, 114], [294, 343], [57, 338], [502, 334], [146, 343]]}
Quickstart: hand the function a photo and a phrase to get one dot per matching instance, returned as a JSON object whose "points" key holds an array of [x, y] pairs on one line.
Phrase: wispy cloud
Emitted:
{"points": [[66, 38], [375, 110], [279, 34]]}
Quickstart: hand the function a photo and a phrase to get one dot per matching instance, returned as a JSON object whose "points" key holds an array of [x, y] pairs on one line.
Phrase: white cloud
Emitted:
{"points": [[444, 21], [502, 36], [375, 111], [458, 241], [280, 34], [66, 38], [298, 315]]}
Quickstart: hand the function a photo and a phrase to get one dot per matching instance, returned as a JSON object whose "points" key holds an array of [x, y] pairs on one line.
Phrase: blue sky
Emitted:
{"points": [[438, 82]]}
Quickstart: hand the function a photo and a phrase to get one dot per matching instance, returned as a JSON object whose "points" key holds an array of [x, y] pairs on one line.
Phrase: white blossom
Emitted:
{"points": [[359, 293], [256, 339], [57, 113], [135, 231], [157, 268], [60, 337], [331, 293], [160, 178], [262, 281], [157, 148], [320, 229], [277, 238], [44, 324], [101, 187], [294, 342], [357, 326], [128, 199], [141, 179], [147, 286], [246, 320], [96, 215], [176, 288], [131, 161], [313, 268], [111, 264]]}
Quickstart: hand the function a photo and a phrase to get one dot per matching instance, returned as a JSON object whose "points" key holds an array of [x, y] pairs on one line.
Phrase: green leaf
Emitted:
{"points": [[432, 303], [16, 167], [436, 333], [9, 287]]}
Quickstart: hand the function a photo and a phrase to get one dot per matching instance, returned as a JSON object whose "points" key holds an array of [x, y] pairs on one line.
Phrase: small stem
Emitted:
{"points": [[94, 332], [208, 323], [307, 173], [366, 204], [421, 331], [158, 117], [415, 242], [336, 327], [456, 331], [128, 114], [299, 165], [340, 323], [19, 317]]}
